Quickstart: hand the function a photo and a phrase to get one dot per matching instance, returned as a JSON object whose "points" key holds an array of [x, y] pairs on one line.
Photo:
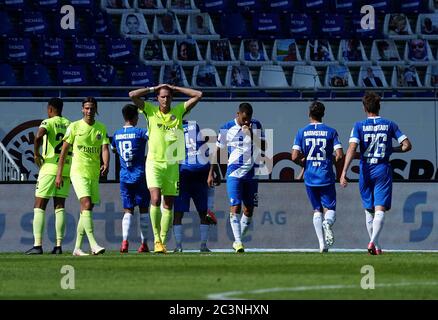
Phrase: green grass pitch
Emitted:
{"points": [[220, 275]]}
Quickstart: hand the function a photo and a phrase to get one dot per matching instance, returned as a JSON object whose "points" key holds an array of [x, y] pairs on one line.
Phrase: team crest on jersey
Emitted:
{"points": [[172, 117], [98, 136]]}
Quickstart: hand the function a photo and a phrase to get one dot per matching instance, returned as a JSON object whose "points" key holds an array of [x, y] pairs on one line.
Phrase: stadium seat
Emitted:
{"points": [[183, 7], [299, 26], [352, 53], [412, 6], [358, 32], [253, 53], [285, 53], [79, 30], [139, 76], [82, 4], [14, 5], [37, 75], [167, 27], [431, 76], [305, 77], [338, 76], [116, 7], [312, 6], [233, 26], [433, 6], [101, 25], [173, 75], [346, 6], [384, 53], [119, 50], [266, 25], [331, 26], [200, 27], [319, 53], [71, 75], [34, 23], [149, 7], [215, 6], [134, 26], [272, 76], [427, 26], [153, 52], [85, 50], [51, 50], [280, 6], [405, 76], [396, 26], [186, 52], [248, 5], [220, 53], [7, 27], [371, 77], [380, 6], [18, 50], [103, 75], [206, 76], [417, 52], [239, 77], [44, 5], [7, 75]]}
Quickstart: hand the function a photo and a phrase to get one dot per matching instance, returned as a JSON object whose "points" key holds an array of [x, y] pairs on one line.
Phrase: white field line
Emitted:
{"points": [[261, 250], [230, 295]]}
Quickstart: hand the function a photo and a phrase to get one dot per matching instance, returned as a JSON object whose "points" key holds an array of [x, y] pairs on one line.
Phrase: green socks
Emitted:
{"points": [[166, 223], [155, 214], [38, 226], [59, 225], [80, 232], [87, 223]]}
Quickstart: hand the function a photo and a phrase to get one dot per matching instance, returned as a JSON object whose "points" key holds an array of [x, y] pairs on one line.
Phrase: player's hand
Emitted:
{"points": [[38, 160], [58, 181], [210, 180], [343, 180], [104, 170], [247, 130]]}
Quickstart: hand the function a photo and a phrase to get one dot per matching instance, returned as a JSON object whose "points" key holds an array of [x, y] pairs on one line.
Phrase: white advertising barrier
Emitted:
{"points": [[282, 220], [417, 119]]}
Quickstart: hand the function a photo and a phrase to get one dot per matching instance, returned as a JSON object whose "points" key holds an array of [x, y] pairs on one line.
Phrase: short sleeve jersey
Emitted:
{"points": [[130, 143], [166, 136], [87, 141], [197, 155], [317, 142], [52, 145]]}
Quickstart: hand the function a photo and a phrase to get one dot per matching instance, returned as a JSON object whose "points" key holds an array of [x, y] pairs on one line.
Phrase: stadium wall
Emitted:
{"points": [[282, 220], [417, 119]]}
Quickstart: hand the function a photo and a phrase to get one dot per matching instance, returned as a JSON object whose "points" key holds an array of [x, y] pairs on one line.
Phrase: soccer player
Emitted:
{"points": [[49, 136], [130, 144], [374, 135], [241, 136], [193, 175], [313, 149], [89, 140], [165, 151]]}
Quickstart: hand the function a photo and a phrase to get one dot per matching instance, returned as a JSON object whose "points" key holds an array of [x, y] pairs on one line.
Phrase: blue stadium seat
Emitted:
{"points": [[37, 75], [82, 4], [412, 6], [7, 28], [7, 75], [71, 75], [34, 23], [233, 26], [315, 6], [79, 29], [103, 75], [299, 26], [139, 76], [346, 6], [47, 5], [280, 6], [266, 25], [332, 26], [102, 25], [18, 50], [52, 50], [380, 6], [85, 50], [14, 5], [119, 50], [215, 6], [358, 31], [248, 5]]}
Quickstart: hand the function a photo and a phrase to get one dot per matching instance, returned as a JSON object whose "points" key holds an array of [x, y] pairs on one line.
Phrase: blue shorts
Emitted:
{"points": [[377, 190], [242, 190], [322, 197], [135, 194], [192, 185]]}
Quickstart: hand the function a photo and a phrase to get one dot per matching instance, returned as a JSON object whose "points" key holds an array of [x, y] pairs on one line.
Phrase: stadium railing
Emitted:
{"points": [[9, 170]]}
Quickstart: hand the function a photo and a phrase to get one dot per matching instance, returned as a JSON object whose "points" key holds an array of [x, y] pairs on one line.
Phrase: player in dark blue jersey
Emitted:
{"points": [[313, 148], [374, 136], [193, 175], [130, 144], [241, 136]]}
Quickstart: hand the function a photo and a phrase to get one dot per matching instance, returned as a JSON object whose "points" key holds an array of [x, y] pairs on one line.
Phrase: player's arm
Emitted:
{"points": [[64, 151], [351, 153], [214, 167], [195, 96], [404, 146], [339, 162], [105, 159], [136, 95], [38, 141], [297, 157]]}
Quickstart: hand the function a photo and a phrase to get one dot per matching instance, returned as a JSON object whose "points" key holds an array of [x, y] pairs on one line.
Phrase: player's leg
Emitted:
{"points": [[234, 191], [143, 199], [313, 193], [154, 178], [211, 217], [170, 192], [366, 187], [199, 194], [328, 201], [39, 213], [127, 193], [59, 204], [177, 228], [181, 205], [250, 200]]}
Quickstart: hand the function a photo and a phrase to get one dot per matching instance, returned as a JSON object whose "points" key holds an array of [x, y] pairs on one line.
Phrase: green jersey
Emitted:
{"points": [[52, 145], [166, 135], [87, 144]]}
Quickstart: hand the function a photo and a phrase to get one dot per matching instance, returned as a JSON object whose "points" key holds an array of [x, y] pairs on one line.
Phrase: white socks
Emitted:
{"points": [[204, 233], [235, 226], [378, 222], [126, 225], [143, 226], [369, 217], [245, 221], [330, 217], [317, 223]]}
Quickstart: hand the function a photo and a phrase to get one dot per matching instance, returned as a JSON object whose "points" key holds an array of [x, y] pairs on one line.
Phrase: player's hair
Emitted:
{"points": [[245, 107], [91, 100], [317, 110], [129, 112], [167, 88], [371, 102], [56, 103]]}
